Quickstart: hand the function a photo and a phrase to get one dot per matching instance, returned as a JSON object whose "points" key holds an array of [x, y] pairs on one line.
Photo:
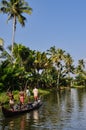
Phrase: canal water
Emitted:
{"points": [[60, 111]]}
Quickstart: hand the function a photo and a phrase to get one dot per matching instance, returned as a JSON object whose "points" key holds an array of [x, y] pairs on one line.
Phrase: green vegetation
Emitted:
{"points": [[53, 69]]}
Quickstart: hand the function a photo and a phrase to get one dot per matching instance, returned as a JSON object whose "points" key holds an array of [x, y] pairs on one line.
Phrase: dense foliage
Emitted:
{"points": [[20, 66], [51, 69]]}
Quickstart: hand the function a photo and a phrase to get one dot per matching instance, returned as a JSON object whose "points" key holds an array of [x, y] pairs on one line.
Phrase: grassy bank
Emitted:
{"points": [[76, 86]]}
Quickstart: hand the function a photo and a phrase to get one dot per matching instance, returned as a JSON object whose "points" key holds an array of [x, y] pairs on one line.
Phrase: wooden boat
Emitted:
{"points": [[17, 111]]}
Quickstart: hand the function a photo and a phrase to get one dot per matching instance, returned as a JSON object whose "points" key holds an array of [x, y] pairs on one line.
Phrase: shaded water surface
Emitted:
{"points": [[64, 111]]}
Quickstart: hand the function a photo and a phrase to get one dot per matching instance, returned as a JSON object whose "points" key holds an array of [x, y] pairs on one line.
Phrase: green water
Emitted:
{"points": [[64, 111]]}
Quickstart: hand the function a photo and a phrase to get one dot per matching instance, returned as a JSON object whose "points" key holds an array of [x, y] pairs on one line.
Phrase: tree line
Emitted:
{"points": [[20, 66], [51, 69]]}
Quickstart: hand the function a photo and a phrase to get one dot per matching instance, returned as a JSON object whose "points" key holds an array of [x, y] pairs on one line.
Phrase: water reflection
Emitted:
{"points": [[35, 115], [11, 125], [22, 123], [28, 115], [60, 111]]}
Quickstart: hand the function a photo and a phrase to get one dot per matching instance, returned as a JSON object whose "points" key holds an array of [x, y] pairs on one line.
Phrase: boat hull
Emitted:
{"points": [[10, 113]]}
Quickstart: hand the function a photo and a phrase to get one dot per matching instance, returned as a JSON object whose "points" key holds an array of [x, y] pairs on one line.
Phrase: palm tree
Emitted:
{"points": [[81, 66], [14, 9], [69, 68], [81, 63], [80, 72], [57, 57], [41, 61]]}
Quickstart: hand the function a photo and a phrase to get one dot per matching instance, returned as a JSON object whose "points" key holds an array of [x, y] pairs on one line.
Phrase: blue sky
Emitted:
{"points": [[60, 23]]}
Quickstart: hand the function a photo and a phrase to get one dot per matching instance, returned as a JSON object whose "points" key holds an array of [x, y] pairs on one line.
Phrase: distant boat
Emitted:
{"points": [[25, 109]]}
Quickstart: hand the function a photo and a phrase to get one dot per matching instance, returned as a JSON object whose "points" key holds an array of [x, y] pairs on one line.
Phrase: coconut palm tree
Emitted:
{"points": [[41, 61], [57, 57], [80, 72], [69, 67], [15, 9], [81, 66]]}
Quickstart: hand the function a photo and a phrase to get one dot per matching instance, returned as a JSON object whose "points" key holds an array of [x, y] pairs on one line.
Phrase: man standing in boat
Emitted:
{"points": [[21, 97], [35, 92], [11, 100], [28, 94]]}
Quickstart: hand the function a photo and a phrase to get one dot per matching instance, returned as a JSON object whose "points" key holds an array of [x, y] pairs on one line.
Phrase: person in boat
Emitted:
{"points": [[21, 97], [35, 93], [28, 94], [11, 100]]}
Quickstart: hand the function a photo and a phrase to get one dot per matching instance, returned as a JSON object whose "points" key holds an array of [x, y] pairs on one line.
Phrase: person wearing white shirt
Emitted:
{"points": [[35, 92]]}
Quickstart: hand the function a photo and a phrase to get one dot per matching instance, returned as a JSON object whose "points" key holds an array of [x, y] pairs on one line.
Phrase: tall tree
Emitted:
{"points": [[57, 57], [80, 73], [15, 9], [81, 66], [69, 67]]}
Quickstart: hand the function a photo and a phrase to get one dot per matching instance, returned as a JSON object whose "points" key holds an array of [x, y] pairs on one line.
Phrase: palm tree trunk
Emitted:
{"points": [[13, 34], [58, 87]]}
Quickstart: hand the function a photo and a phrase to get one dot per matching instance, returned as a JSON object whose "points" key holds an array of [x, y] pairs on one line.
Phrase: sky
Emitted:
{"points": [[59, 23]]}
